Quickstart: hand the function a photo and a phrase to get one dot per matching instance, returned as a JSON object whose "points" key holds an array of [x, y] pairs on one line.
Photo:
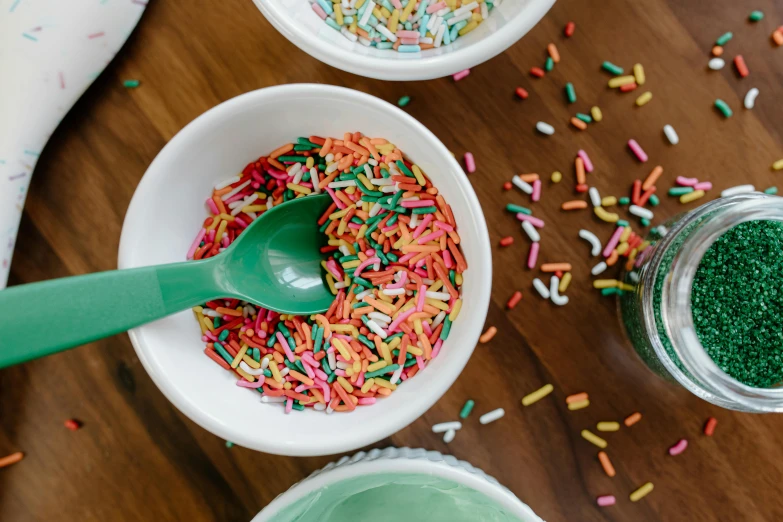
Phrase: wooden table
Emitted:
{"points": [[137, 458]]}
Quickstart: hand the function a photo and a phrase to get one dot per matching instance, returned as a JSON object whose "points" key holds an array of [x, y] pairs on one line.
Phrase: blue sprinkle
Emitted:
{"points": [[30, 37]]}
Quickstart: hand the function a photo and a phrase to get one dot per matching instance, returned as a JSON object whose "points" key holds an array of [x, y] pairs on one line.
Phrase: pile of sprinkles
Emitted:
{"points": [[393, 265], [406, 26]]}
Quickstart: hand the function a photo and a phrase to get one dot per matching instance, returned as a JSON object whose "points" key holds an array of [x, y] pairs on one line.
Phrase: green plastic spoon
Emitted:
{"points": [[274, 263]]}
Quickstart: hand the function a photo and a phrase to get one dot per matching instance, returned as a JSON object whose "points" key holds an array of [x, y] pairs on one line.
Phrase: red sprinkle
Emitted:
{"points": [[73, 424], [559, 274], [644, 197], [582, 187], [569, 29], [709, 427], [522, 93], [506, 241], [507, 185], [637, 191], [628, 87], [742, 68], [538, 72], [515, 299]]}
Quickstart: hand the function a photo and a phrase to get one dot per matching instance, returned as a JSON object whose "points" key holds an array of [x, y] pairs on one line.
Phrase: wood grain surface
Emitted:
{"points": [[139, 459]]}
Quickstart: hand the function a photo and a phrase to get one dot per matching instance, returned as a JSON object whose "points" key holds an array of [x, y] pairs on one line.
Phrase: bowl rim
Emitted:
{"points": [[425, 68], [376, 430]]}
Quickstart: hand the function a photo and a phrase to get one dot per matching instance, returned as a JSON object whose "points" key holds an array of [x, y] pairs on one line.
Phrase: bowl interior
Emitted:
{"points": [[168, 209], [506, 24]]}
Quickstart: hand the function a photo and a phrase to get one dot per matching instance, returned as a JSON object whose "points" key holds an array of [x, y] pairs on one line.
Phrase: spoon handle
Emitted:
{"points": [[43, 318]]}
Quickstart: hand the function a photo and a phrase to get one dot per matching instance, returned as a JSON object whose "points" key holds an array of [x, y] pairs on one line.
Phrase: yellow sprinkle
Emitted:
{"points": [[357, 366], [596, 113], [638, 73], [338, 15], [345, 384], [275, 371], [556, 177], [417, 327], [348, 372], [641, 492], [406, 12], [208, 323], [254, 208], [458, 279], [626, 287], [385, 298], [298, 188], [392, 24], [238, 358], [602, 214], [564, 282], [330, 282], [468, 28], [352, 264], [385, 12], [377, 366], [691, 196], [434, 287], [287, 386], [537, 395], [608, 201], [311, 161], [386, 353], [608, 426], [383, 383], [455, 311], [579, 405], [367, 385], [340, 213], [437, 303], [594, 439], [344, 328], [617, 81], [245, 375], [643, 99], [251, 362], [415, 351], [362, 232], [778, 165], [340, 347], [365, 181], [417, 174], [625, 234], [633, 253], [621, 248], [605, 283], [395, 343], [359, 4]]}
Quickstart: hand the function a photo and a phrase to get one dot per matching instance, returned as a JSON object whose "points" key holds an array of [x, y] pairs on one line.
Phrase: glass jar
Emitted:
{"points": [[657, 314]]}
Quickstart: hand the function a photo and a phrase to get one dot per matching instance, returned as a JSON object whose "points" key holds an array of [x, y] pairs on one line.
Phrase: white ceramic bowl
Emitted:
{"points": [[401, 460], [167, 210], [506, 24]]}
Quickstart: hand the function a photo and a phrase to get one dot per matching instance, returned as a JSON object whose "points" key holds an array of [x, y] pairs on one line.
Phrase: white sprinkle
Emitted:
{"points": [[662, 230], [465, 9], [750, 98], [440, 296], [593, 240], [226, 182], [634, 276], [595, 197], [439, 36], [229, 195], [541, 287], [598, 269], [716, 64], [393, 291], [739, 189], [319, 406], [457, 19], [385, 32], [449, 435], [360, 296], [446, 426], [545, 128], [532, 233], [331, 358], [377, 330], [492, 416], [342, 184], [641, 212], [367, 13], [267, 398], [251, 371], [396, 375], [438, 319], [382, 181], [554, 294], [671, 134], [379, 316], [522, 185]]}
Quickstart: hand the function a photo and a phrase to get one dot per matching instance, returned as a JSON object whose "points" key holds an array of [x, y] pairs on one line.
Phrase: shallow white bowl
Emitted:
{"points": [[167, 211], [397, 461], [506, 24]]}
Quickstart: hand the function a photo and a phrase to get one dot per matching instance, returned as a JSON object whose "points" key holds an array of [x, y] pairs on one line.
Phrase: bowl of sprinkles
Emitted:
{"points": [[403, 39], [406, 255]]}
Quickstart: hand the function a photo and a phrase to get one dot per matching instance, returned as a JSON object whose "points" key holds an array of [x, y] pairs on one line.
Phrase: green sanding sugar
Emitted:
{"points": [[737, 302]]}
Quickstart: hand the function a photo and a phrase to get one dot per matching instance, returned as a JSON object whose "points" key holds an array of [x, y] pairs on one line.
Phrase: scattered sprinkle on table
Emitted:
{"points": [[514, 300], [642, 492], [537, 395], [756, 16], [592, 438], [679, 447], [492, 416], [608, 426], [724, 39], [709, 426], [449, 436], [724, 108], [470, 163], [229, 444], [606, 464], [72, 424], [13, 458], [405, 100], [466, 409], [606, 500], [578, 405], [632, 419], [488, 335], [131, 84], [446, 426]]}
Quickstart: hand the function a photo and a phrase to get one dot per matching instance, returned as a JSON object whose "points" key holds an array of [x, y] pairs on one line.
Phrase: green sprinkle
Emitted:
{"points": [[737, 302], [608, 291], [771, 190], [622, 223], [756, 16], [444, 334], [405, 100], [549, 64], [229, 444], [584, 117], [298, 406], [723, 107], [466, 409], [645, 222], [405, 170], [518, 208], [612, 68], [223, 335], [131, 84], [292, 159], [223, 353], [724, 39], [654, 201], [679, 191], [624, 201], [570, 92], [424, 210], [388, 369]]}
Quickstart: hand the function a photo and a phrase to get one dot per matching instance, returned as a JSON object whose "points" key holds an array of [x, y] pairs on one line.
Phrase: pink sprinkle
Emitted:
{"points": [[398, 4], [436, 348], [606, 500], [532, 257], [536, 190], [337, 201], [212, 207], [247, 384], [286, 348], [704, 185], [447, 259], [400, 318], [460, 75], [289, 405], [364, 401], [408, 34], [533, 220], [430, 237], [319, 11], [637, 150], [420, 298], [194, 245], [414, 203], [241, 222], [679, 447], [444, 226], [586, 159], [470, 163], [422, 226], [401, 282], [408, 41], [613, 241], [420, 362], [686, 182], [431, 9], [95, 35], [364, 264]]}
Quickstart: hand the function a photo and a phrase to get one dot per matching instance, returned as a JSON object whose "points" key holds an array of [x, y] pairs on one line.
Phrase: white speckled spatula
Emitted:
{"points": [[50, 52]]}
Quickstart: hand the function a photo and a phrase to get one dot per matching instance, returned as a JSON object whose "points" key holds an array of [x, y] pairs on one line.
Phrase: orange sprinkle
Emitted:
{"points": [[612, 259], [577, 397], [575, 204], [579, 124], [228, 311], [777, 37], [742, 68], [488, 335], [506, 241], [13, 458], [709, 427], [606, 464], [579, 165], [528, 178], [281, 150], [652, 177], [553, 52], [554, 267], [514, 300], [717, 50], [632, 419]]}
